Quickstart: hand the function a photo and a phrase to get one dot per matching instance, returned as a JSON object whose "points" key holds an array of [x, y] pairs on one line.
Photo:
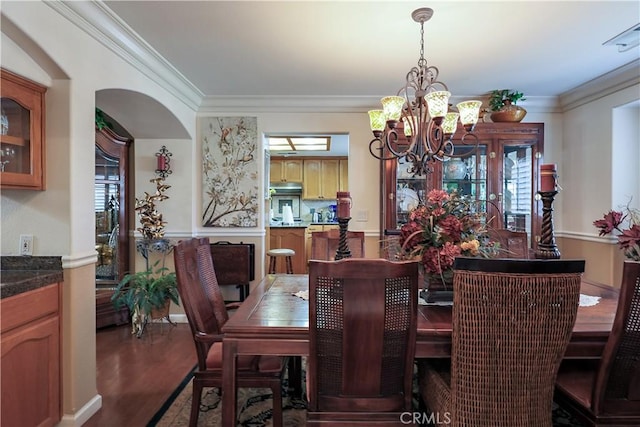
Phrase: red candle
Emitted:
{"points": [[344, 204], [548, 174], [161, 163]]}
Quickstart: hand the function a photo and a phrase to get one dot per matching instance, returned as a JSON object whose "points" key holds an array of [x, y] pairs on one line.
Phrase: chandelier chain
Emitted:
{"points": [[421, 61]]}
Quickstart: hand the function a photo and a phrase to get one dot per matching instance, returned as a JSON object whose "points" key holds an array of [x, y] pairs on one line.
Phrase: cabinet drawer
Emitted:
{"points": [[20, 309]]}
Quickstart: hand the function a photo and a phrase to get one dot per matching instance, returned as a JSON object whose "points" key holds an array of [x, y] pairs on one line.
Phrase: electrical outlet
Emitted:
{"points": [[26, 244]]}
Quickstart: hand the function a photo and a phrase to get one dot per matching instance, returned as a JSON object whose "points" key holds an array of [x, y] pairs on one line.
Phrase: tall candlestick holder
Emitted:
{"points": [[547, 248], [343, 247]]}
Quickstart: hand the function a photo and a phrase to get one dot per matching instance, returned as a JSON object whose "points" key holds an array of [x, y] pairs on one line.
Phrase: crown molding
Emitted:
{"points": [[288, 104], [97, 20], [616, 80]]}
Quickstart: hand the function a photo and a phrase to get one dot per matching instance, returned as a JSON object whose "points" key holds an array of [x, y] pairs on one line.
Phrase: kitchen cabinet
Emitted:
{"points": [[290, 238], [286, 170], [321, 179], [312, 228], [30, 342], [22, 137], [502, 175], [344, 175]]}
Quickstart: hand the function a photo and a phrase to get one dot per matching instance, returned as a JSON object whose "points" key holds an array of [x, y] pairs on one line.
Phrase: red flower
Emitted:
{"points": [[610, 222], [437, 231], [451, 227], [630, 237]]}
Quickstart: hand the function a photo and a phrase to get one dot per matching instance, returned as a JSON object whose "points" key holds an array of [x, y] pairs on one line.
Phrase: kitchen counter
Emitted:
{"points": [[299, 224], [20, 274]]}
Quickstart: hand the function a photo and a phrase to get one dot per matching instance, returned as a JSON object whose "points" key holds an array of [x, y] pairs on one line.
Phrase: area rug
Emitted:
{"points": [[255, 408]]}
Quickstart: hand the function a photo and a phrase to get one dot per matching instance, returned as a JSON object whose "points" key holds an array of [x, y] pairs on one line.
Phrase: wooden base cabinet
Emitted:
{"points": [[289, 238], [30, 343]]}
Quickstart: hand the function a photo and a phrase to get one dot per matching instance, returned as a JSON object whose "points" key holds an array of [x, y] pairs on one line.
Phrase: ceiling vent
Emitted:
{"points": [[626, 40]]}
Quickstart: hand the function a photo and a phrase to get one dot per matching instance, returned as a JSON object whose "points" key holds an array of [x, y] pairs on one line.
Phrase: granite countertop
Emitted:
{"points": [[22, 274]]}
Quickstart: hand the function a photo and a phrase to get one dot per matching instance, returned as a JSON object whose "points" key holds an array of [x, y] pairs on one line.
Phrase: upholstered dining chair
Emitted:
{"points": [[324, 244], [606, 392], [512, 321], [513, 244], [206, 312], [362, 333]]}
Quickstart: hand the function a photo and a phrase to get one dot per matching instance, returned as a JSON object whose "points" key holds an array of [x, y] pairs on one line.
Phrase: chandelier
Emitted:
{"points": [[421, 112]]}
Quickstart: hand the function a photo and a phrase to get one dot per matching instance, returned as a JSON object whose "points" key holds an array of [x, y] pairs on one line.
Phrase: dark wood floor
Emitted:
{"points": [[136, 375]]}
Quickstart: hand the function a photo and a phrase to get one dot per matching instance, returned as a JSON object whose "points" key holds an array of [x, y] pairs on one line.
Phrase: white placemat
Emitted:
{"points": [[302, 294], [588, 301]]}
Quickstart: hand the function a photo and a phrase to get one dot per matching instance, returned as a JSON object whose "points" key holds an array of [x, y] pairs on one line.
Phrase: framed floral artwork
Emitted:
{"points": [[230, 184]]}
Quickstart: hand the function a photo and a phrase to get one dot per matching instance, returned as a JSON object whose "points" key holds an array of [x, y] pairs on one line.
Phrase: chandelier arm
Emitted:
{"points": [[473, 143], [392, 137], [380, 148]]}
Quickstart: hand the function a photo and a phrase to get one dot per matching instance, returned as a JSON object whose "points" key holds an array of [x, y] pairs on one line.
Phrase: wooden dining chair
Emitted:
{"points": [[512, 321], [362, 333], [206, 312], [606, 392], [513, 244], [324, 244]]}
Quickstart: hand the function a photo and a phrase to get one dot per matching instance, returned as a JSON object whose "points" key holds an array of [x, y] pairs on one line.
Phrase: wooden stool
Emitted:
{"points": [[275, 253]]}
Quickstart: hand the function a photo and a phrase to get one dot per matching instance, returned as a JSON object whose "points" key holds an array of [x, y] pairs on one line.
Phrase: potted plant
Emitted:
{"points": [[147, 294], [502, 103]]}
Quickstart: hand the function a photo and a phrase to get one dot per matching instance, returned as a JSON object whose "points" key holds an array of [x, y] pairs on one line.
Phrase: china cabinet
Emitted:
{"points": [[501, 174], [22, 151], [112, 224]]}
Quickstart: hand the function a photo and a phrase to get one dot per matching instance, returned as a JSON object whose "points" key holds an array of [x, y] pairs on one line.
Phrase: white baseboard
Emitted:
{"points": [[83, 415]]}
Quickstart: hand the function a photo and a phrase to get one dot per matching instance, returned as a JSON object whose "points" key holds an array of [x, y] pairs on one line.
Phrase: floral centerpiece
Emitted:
{"points": [[447, 225], [627, 224]]}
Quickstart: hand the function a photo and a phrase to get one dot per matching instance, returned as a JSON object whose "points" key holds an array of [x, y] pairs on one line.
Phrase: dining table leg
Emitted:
{"points": [[229, 382]]}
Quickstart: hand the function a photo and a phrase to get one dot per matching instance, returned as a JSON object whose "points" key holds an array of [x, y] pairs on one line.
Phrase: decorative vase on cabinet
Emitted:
{"points": [[509, 113], [455, 168]]}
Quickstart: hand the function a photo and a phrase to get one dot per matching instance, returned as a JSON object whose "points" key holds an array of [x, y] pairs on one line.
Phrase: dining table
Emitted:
{"points": [[274, 320]]}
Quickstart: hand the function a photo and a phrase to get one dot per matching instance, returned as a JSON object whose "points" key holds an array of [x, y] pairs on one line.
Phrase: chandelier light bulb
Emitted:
{"points": [[450, 123], [392, 106], [469, 112], [438, 103], [377, 120]]}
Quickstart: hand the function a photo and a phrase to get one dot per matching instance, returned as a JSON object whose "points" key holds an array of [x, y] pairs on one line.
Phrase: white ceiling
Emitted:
{"points": [[365, 48]]}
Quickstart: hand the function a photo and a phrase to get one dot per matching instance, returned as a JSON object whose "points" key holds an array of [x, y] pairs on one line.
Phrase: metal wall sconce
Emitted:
{"points": [[163, 159]]}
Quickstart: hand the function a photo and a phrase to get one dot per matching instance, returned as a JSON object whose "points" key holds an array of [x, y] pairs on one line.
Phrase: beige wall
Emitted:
{"points": [[603, 259]]}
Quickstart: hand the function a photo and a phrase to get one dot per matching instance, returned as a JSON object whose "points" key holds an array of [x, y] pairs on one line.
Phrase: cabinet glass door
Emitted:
{"points": [[467, 174], [15, 131], [107, 210], [517, 187], [410, 192]]}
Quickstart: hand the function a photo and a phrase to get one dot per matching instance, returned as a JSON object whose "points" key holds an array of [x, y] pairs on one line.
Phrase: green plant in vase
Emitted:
{"points": [[145, 293], [502, 103]]}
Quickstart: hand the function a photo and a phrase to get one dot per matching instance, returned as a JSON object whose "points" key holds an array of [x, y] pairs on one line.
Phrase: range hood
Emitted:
{"points": [[286, 188]]}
